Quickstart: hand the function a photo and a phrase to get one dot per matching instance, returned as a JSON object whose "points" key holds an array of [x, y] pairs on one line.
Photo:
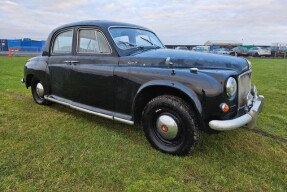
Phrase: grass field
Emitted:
{"points": [[59, 149]]}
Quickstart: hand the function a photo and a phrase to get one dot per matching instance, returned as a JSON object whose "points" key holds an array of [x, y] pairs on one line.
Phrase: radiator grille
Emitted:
{"points": [[244, 87]]}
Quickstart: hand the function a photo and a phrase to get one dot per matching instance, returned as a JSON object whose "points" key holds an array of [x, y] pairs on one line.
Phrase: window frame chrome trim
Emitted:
{"points": [[55, 35], [91, 53]]}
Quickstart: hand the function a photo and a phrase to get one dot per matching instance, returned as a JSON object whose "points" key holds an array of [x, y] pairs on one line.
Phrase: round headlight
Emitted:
{"points": [[231, 87]]}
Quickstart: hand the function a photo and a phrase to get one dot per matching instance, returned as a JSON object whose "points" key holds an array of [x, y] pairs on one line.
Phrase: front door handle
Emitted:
{"points": [[71, 62]]}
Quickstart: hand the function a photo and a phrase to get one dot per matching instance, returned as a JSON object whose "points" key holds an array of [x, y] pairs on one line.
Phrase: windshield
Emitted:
{"points": [[127, 38]]}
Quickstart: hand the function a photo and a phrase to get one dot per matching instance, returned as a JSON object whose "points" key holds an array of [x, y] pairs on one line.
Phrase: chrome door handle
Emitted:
{"points": [[74, 62], [71, 62]]}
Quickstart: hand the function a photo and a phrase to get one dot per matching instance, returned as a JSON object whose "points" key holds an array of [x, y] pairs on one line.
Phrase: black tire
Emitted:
{"points": [[256, 54], [187, 136], [39, 99]]}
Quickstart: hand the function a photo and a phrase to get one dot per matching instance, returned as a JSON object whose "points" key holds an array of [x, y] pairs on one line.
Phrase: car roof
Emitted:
{"points": [[104, 24]]}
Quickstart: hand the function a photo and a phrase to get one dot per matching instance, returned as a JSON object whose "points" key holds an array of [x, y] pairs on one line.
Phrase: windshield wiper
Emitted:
{"points": [[127, 43], [156, 46]]}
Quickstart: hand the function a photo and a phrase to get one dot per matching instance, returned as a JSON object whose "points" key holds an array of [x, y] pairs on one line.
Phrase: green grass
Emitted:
{"points": [[59, 149]]}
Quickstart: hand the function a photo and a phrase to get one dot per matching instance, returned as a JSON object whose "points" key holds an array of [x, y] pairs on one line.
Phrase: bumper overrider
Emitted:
{"points": [[249, 118]]}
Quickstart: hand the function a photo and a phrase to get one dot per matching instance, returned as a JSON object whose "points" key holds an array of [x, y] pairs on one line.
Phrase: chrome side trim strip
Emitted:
{"points": [[89, 111], [123, 120]]}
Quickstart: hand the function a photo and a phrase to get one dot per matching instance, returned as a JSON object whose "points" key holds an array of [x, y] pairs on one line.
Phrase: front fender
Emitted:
{"points": [[175, 85]]}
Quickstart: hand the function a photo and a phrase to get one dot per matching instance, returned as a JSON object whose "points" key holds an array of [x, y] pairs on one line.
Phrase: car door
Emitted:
{"points": [[92, 77], [61, 53]]}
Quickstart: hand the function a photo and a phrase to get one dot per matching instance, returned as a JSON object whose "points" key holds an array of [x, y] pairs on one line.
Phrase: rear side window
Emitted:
{"points": [[92, 41], [63, 42]]}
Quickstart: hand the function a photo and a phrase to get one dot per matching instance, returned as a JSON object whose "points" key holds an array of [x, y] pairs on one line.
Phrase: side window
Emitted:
{"points": [[63, 42], [103, 44], [92, 41]]}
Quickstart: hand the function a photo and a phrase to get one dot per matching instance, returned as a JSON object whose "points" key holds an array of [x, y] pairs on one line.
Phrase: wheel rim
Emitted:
{"points": [[40, 90], [167, 127]]}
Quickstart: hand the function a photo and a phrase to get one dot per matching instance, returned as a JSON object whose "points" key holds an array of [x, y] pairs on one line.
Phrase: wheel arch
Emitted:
{"points": [[28, 80], [153, 89]]}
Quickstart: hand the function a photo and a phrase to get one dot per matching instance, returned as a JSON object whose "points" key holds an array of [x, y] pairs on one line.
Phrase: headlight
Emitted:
{"points": [[249, 64], [230, 87]]}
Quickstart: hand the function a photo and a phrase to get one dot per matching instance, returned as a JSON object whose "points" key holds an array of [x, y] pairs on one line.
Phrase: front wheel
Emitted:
{"points": [[38, 92], [170, 125]]}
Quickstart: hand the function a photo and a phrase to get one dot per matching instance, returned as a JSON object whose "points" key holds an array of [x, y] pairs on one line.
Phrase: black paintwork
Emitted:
{"points": [[116, 83]]}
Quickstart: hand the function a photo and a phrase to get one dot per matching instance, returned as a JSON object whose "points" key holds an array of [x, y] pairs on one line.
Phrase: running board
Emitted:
{"points": [[89, 111]]}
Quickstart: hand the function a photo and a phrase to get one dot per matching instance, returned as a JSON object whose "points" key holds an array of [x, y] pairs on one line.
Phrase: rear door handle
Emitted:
{"points": [[74, 62]]}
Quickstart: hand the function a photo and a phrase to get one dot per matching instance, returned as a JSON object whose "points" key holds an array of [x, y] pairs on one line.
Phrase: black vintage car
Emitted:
{"points": [[123, 72]]}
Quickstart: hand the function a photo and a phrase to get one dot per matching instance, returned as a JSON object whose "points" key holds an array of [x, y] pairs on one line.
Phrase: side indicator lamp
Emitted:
{"points": [[224, 107]]}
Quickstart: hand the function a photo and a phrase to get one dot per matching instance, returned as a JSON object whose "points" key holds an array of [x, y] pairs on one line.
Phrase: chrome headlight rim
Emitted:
{"points": [[231, 87]]}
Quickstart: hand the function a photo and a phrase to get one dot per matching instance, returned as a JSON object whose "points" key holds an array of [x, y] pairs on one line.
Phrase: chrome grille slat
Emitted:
{"points": [[244, 86]]}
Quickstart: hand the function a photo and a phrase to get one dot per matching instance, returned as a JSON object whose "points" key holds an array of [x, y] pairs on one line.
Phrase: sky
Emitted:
{"points": [[187, 22]]}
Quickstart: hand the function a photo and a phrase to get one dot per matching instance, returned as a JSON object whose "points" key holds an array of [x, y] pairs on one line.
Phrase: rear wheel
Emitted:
{"points": [[170, 125], [38, 92]]}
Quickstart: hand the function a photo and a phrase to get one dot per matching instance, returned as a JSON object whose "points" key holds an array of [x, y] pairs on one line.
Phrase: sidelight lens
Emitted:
{"points": [[224, 107]]}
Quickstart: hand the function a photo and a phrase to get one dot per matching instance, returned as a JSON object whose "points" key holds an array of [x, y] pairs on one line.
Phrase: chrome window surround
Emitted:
{"points": [[54, 38], [96, 30]]}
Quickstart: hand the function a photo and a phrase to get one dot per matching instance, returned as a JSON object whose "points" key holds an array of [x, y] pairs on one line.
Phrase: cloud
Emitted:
{"points": [[175, 21]]}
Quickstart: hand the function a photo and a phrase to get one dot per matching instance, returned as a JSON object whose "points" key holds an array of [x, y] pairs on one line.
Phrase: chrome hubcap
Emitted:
{"points": [[40, 90], [167, 127]]}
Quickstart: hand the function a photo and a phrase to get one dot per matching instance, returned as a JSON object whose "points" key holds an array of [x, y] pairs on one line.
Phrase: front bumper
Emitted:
{"points": [[249, 118]]}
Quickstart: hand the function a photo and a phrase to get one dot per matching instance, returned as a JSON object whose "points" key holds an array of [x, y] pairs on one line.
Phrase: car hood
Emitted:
{"points": [[188, 59]]}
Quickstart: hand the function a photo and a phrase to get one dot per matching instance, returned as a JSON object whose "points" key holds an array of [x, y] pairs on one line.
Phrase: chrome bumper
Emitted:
{"points": [[249, 118]]}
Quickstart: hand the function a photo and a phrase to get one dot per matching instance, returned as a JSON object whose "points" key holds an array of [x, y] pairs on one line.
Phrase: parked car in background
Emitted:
{"points": [[282, 51], [279, 51], [239, 51], [181, 48], [123, 72], [221, 51], [259, 52], [201, 48]]}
